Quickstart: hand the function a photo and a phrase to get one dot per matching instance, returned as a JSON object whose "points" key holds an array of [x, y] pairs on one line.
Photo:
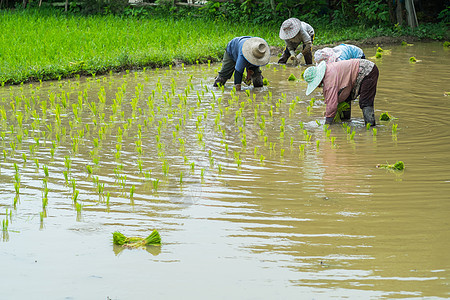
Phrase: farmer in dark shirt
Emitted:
{"points": [[242, 53]]}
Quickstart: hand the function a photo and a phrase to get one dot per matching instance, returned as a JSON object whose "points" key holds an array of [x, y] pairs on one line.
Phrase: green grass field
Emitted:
{"points": [[42, 44]]}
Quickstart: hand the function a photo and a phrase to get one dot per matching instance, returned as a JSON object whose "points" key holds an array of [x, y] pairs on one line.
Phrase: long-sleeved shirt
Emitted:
{"points": [[348, 52], [342, 80], [303, 36], [234, 49], [338, 83]]}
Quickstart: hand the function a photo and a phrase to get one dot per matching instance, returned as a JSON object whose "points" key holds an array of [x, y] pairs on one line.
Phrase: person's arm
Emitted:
{"points": [[331, 101], [291, 45], [239, 71], [308, 47]]}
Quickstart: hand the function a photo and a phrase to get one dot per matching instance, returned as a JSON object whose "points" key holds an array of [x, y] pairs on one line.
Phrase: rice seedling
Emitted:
{"points": [[155, 184], [67, 162], [132, 189], [394, 128], [333, 142], [5, 224], [75, 196], [44, 202], [66, 177], [79, 208], [89, 169]]}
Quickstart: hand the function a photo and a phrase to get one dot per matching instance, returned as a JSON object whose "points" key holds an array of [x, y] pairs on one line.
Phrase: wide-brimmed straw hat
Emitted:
{"points": [[313, 76], [327, 55], [290, 28], [256, 51]]}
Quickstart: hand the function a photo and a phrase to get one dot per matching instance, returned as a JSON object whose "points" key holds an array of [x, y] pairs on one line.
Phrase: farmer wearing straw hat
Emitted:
{"points": [[344, 81], [338, 53], [242, 53], [294, 32]]}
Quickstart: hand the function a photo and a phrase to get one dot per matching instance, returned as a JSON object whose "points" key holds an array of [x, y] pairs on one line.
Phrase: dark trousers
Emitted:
{"points": [[228, 65], [368, 88]]}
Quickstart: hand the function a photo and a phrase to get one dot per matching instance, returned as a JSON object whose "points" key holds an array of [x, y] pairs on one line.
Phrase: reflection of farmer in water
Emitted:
{"points": [[338, 53], [294, 32], [244, 52], [344, 81]]}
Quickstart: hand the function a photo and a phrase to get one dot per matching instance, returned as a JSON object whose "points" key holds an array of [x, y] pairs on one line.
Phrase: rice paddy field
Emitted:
{"points": [[253, 196]]}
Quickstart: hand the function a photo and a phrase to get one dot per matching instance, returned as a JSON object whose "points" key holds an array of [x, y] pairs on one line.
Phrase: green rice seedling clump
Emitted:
{"points": [[412, 59], [447, 44], [398, 166], [341, 108], [385, 117], [135, 242], [292, 77]]}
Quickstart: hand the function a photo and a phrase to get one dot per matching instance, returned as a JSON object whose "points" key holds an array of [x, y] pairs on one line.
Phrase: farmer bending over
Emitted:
{"points": [[244, 52], [338, 53], [294, 32], [344, 81]]}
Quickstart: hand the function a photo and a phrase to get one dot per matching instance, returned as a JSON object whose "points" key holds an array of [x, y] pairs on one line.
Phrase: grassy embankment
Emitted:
{"points": [[42, 45]]}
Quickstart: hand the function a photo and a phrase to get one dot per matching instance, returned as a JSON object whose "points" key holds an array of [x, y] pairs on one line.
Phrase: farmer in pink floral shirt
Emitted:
{"points": [[345, 81]]}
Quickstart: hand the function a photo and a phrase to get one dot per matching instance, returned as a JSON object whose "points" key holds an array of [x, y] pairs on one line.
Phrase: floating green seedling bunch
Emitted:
{"points": [[385, 116], [154, 239], [398, 166], [292, 77]]}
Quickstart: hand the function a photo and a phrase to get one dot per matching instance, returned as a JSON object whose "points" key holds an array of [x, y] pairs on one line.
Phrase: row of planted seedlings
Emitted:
{"points": [[140, 135]]}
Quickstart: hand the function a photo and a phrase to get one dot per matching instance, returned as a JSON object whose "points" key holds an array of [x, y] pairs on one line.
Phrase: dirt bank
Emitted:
{"points": [[369, 42]]}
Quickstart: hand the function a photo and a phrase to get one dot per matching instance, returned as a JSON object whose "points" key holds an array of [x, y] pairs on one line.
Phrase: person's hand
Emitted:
{"points": [[295, 61], [238, 87], [248, 79]]}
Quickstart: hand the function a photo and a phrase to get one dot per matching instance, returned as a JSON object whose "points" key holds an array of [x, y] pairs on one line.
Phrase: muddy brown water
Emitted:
{"points": [[280, 209]]}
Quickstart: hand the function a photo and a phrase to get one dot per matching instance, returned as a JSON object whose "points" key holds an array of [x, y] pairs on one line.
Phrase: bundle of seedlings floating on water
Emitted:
{"points": [[398, 166], [412, 59], [154, 239], [386, 117], [379, 53]]}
